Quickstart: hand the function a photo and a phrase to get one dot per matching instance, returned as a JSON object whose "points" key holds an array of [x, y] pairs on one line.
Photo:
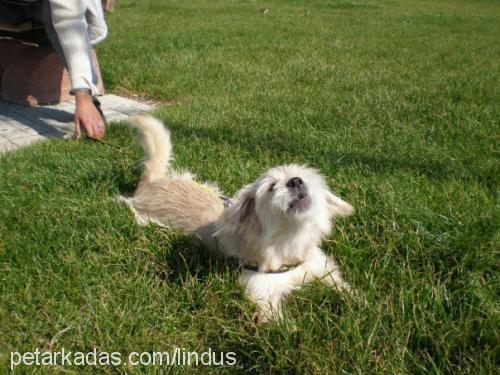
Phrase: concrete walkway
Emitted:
{"points": [[21, 126]]}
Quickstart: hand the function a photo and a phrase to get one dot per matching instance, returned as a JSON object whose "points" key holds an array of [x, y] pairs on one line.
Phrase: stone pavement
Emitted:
{"points": [[21, 126]]}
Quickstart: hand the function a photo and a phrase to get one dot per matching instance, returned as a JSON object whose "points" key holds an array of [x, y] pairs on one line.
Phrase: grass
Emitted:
{"points": [[396, 102]]}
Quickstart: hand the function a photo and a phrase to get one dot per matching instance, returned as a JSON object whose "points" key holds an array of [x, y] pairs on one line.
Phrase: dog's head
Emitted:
{"points": [[290, 195]]}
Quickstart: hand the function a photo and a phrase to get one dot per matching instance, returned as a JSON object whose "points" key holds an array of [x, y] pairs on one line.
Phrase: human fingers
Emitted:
{"points": [[77, 128]]}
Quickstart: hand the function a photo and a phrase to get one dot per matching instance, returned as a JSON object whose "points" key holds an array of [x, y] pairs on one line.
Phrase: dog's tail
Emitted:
{"points": [[156, 144]]}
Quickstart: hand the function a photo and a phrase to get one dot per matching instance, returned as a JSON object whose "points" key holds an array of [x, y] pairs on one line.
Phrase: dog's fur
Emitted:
{"points": [[280, 219]]}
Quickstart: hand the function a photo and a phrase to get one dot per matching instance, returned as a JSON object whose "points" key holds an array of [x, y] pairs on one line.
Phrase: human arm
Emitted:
{"points": [[68, 19]]}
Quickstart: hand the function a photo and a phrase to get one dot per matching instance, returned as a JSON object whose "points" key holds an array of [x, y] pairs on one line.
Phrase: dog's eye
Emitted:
{"points": [[271, 187]]}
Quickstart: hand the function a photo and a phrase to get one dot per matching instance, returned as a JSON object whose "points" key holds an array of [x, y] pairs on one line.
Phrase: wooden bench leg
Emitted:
{"points": [[108, 5]]}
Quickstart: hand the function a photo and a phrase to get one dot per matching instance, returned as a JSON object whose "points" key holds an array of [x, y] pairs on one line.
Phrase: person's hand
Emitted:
{"points": [[86, 115]]}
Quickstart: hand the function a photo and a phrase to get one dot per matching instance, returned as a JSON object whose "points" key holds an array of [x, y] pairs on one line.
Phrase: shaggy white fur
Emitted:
{"points": [[280, 219]]}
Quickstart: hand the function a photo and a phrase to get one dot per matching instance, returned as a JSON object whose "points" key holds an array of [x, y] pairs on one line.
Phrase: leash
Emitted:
{"points": [[118, 148]]}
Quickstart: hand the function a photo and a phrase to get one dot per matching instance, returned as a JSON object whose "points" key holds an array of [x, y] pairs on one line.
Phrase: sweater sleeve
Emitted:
{"points": [[68, 18]]}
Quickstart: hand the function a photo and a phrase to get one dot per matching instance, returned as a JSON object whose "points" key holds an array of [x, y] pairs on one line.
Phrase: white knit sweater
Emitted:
{"points": [[79, 24]]}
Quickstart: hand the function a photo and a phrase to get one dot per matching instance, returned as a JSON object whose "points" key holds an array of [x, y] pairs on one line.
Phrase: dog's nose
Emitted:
{"points": [[295, 183]]}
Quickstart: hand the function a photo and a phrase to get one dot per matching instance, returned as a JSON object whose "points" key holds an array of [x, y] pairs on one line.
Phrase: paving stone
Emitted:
{"points": [[21, 126], [3, 140], [24, 141], [7, 147]]}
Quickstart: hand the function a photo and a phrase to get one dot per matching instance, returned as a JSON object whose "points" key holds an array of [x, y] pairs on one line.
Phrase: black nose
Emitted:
{"points": [[295, 183]]}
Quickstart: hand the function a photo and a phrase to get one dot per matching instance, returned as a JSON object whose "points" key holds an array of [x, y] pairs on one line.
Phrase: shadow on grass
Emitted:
{"points": [[184, 256], [280, 141]]}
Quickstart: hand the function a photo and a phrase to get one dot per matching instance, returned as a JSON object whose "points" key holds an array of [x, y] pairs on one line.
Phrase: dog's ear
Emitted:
{"points": [[247, 209], [244, 207], [337, 206]]}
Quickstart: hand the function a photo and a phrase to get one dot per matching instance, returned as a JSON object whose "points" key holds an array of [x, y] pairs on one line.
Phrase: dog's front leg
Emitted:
{"points": [[267, 291], [325, 268], [333, 277]]}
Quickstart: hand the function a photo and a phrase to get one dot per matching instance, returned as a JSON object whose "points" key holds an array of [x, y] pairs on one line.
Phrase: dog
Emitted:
{"points": [[273, 227]]}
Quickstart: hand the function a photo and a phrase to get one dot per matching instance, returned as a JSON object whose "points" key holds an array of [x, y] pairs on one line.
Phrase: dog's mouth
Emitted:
{"points": [[300, 203]]}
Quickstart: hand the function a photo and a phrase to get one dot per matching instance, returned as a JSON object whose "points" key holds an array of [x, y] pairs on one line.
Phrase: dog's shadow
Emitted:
{"points": [[177, 256], [181, 257]]}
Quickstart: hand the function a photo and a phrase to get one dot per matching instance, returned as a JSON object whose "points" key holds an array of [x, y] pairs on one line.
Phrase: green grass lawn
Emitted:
{"points": [[396, 102]]}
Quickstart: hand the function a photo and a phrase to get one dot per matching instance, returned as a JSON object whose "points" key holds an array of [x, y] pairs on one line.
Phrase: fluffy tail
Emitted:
{"points": [[156, 144]]}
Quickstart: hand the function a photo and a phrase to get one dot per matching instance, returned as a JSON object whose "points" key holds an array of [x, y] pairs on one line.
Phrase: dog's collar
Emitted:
{"points": [[282, 269]]}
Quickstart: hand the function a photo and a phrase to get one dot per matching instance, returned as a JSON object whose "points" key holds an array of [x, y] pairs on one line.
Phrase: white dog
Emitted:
{"points": [[274, 226]]}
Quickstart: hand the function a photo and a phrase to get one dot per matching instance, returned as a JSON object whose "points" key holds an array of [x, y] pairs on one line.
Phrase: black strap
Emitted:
{"points": [[97, 105], [21, 2], [284, 268]]}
